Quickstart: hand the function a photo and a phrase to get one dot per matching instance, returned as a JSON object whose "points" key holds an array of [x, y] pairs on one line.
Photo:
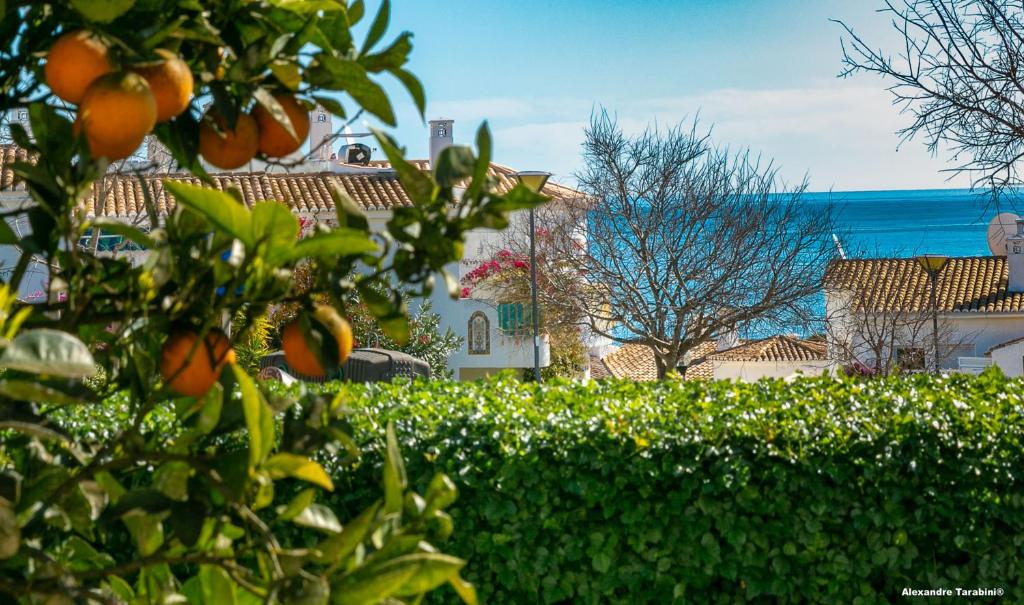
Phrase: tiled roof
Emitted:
{"points": [[1008, 343], [123, 195], [973, 284], [598, 369], [375, 188], [775, 348], [636, 362]]}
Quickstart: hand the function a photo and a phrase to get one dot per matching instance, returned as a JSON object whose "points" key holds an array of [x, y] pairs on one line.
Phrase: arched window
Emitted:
{"points": [[479, 334]]}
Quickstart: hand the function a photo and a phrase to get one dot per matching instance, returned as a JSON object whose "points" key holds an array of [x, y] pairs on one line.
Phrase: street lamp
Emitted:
{"points": [[534, 181], [933, 265]]}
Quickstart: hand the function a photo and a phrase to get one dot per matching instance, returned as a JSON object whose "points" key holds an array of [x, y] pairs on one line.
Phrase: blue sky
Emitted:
{"points": [[763, 72]]}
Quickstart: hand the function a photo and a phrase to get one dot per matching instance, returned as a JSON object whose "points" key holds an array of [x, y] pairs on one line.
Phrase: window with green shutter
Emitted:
{"points": [[514, 318]]}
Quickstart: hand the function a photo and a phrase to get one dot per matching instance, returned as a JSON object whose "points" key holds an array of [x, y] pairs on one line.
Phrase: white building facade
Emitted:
{"points": [[493, 337]]}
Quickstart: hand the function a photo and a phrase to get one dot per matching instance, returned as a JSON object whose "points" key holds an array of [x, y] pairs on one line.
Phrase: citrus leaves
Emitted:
{"points": [[270, 228], [49, 352], [298, 467], [103, 11]]}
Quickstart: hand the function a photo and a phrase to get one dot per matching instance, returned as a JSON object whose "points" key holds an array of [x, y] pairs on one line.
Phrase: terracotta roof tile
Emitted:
{"points": [[973, 284], [774, 348], [598, 369], [377, 188], [636, 362]]}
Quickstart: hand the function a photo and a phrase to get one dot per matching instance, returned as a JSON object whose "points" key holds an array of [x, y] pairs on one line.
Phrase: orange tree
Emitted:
{"points": [[209, 490]]}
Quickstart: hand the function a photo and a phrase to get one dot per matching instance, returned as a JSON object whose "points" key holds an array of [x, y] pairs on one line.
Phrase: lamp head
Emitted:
{"points": [[533, 180], [932, 263]]}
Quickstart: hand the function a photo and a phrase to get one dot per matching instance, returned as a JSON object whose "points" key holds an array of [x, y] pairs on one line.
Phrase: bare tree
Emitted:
{"points": [[958, 74], [885, 340], [677, 242]]}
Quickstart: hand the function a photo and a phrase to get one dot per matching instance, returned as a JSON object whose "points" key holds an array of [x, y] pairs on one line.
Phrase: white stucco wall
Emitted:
{"points": [[750, 371], [1010, 359]]}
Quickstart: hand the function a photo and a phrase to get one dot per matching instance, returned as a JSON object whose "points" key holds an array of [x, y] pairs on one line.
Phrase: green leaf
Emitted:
{"points": [[318, 516], [7, 235], [415, 88], [417, 184], [396, 327], [350, 214], [344, 74], [465, 590], [216, 586], [126, 231], [147, 531], [224, 211], [308, 6], [370, 587], [454, 164], [49, 352], [394, 473], [275, 228], [31, 390], [266, 99], [287, 73], [298, 467], [379, 26], [103, 11], [333, 244], [259, 419], [432, 570], [331, 104], [297, 505], [10, 532], [335, 548]]}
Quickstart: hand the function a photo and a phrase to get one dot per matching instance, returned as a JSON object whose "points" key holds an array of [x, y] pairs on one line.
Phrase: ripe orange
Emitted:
{"points": [[171, 82], [275, 141], [74, 62], [192, 376], [116, 114], [297, 353], [228, 149]]}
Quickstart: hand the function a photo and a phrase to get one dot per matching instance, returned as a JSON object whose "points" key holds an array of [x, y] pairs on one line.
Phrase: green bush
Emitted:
{"points": [[815, 491]]}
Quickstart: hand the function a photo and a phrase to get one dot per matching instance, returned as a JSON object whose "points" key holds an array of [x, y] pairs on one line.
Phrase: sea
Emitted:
{"points": [[953, 222]]}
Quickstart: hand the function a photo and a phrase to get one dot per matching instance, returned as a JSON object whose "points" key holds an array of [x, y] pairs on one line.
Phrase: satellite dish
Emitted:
{"points": [[1001, 226]]}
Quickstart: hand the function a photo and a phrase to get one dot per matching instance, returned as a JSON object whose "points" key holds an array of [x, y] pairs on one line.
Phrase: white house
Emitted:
{"points": [[492, 333], [979, 307]]}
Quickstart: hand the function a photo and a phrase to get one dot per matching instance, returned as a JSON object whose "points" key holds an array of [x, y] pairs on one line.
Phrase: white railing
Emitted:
{"points": [[973, 365]]}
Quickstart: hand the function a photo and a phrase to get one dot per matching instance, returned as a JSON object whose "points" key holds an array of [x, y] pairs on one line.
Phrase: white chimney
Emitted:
{"points": [[441, 137], [1015, 258], [320, 130]]}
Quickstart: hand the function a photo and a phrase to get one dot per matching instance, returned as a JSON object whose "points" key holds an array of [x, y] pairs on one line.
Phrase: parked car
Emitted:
{"points": [[363, 365]]}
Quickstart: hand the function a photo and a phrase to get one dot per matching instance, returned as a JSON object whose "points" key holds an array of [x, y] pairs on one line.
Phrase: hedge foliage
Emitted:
{"points": [[815, 491]]}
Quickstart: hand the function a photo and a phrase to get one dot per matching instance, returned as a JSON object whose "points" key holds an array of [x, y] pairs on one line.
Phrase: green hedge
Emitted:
{"points": [[815, 491]]}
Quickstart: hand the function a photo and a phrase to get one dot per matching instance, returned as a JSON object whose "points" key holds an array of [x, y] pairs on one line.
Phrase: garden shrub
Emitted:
{"points": [[819, 490]]}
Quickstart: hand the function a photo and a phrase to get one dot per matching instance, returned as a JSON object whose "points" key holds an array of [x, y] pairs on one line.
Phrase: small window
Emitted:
{"points": [[514, 319], [321, 117], [479, 334], [910, 358]]}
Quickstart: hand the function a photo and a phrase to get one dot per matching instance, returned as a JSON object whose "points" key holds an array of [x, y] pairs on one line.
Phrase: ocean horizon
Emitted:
{"points": [[906, 222]]}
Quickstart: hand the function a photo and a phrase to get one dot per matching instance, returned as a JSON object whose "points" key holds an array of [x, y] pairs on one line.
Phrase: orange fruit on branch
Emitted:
{"points": [[190, 369], [116, 113], [74, 62], [228, 148], [275, 141], [171, 81], [307, 339]]}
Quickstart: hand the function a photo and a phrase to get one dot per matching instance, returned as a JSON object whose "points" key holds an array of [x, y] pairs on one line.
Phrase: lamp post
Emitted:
{"points": [[933, 265], [534, 181]]}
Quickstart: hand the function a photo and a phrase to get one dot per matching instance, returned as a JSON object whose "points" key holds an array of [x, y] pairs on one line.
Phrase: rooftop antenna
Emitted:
{"points": [[1000, 227], [839, 246]]}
